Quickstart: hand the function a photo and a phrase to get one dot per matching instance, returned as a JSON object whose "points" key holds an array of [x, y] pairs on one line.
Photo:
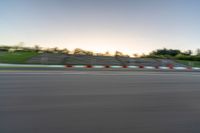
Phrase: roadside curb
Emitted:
{"points": [[98, 67], [133, 67]]}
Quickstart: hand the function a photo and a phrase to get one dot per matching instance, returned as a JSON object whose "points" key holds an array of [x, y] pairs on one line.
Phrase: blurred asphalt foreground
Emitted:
{"points": [[99, 102]]}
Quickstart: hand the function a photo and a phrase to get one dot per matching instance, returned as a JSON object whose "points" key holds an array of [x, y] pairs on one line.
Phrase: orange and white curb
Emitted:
{"points": [[99, 67], [133, 67]]}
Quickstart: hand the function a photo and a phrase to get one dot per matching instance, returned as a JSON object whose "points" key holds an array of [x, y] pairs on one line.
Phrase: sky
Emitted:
{"points": [[129, 26]]}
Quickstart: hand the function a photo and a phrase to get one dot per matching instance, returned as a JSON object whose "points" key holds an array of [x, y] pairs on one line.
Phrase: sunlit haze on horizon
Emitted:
{"points": [[129, 26]]}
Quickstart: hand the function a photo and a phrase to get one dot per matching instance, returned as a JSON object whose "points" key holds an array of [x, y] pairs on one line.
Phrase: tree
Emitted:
{"points": [[4, 48], [166, 52], [88, 53], [198, 52], [65, 51], [135, 55], [37, 48], [55, 50], [78, 51], [117, 53], [188, 53], [107, 54]]}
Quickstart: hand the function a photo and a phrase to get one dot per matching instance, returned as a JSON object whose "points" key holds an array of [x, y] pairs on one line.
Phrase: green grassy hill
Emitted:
{"points": [[16, 57]]}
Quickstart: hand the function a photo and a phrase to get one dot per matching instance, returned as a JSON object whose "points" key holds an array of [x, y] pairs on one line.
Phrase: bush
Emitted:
{"points": [[188, 57], [166, 52]]}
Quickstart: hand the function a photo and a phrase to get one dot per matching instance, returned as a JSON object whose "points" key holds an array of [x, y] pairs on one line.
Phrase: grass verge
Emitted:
{"points": [[190, 63], [16, 57]]}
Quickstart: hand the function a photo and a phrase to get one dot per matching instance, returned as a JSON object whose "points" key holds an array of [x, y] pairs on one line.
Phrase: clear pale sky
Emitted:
{"points": [[131, 26]]}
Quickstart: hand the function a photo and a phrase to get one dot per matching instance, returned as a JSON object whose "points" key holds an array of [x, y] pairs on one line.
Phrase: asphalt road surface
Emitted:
{"points": [[99, 102]]}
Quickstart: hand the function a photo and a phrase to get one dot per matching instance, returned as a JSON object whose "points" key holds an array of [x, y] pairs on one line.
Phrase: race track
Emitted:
{"points": [[99, 102]]}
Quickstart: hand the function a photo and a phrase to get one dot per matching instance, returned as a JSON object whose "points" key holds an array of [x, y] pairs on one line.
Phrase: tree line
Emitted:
{"points": [[159, 53], [175, 54], [37, 48]]}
